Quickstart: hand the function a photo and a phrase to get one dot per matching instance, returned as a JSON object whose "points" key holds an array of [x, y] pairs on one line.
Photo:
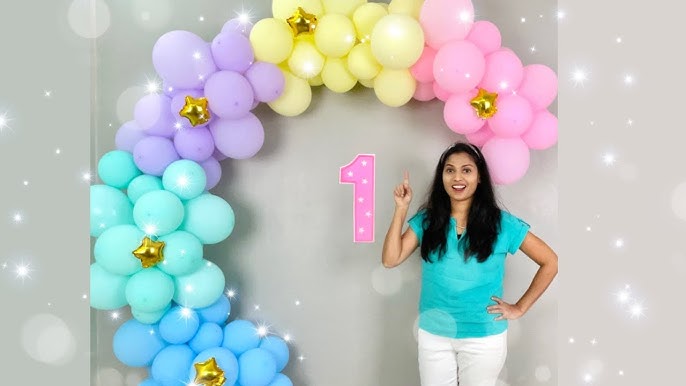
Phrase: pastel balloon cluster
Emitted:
{"points": [[226, 74], [184, 337], [175, 209], [462, 57]]}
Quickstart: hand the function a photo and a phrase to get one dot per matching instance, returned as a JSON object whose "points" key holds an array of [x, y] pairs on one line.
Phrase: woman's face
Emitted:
{"points": [[460, 176]]}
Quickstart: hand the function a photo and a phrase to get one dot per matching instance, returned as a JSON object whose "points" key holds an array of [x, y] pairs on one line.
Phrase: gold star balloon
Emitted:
{"points": [[149, 252], [302, 22], [195, 110], [208, 373], [484, 103]]}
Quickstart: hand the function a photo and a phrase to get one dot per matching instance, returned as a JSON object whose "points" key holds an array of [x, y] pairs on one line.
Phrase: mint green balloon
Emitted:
{"points": [[149, 317], [184, 178], [117, 168], [108, 291], [108, 207], [158, 213], [149, 290], [141, 185], [113, 249], [182, 253], [201, 288], [210, 218]]}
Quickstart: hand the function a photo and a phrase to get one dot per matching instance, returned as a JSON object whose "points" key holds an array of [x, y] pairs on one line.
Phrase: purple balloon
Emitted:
{"points": [[213, 172], [267, 81], [195, 144], [128, 136], [232, 51], [238, 25], [183, 59], [238, 138], [153, 154], [219, 156], [177, 103], [168, 89], [153, 114], [229, 93]]}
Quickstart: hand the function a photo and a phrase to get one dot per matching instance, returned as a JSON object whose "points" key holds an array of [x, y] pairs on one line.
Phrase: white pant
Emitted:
{"points": [[464, 362]]}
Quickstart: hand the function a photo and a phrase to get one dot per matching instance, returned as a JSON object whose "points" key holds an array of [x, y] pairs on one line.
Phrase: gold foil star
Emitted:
{"points": [[302, 22], [149, 252], [208, 373], [484, 104], [195, 110]]}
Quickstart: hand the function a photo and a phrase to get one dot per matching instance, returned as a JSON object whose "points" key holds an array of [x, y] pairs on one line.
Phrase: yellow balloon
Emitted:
{"points": [[344, 7], [316, 81], [336, 76], [368, 83], [365, 18], [394, 87], [272, 40], [335, 35], [296, 96], [283, 9], [361, 62], [406, 7], [305, 61], [397, 41]]}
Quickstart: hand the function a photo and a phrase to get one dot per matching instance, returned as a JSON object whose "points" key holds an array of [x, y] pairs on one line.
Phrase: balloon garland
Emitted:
{"points": [[153, 213]]}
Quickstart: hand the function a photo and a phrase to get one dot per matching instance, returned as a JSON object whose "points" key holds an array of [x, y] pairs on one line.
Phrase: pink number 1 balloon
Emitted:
{"points": [[360, 173]]}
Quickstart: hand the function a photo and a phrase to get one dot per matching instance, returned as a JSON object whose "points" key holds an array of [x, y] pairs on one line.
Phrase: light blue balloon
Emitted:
{"points": [[201, 288], [159, 209], [116, 169], [108, 207], [209, 335], [179, 325], [107, 290], [225, 360], [209, 217], [149, 290], [143, 184], [182, 253], [218, 312], [256, 367], [149, 382], [281, 380], [278, 348], [113, 248], [170, 367], [136, 344], [184, 178], [240, 336], [149, 317]]}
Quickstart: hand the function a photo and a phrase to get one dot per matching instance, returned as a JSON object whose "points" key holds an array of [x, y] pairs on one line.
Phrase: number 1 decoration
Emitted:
{"points": [[360, 173]]}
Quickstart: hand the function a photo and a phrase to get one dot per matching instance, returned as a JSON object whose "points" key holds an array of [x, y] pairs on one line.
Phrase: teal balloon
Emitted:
{"points": [[184, 178], [113, 249], [149, 317], [256, 367], [149, 290], [107, 290], [158, 213], [117, 169], [209, 217], [182, 253], [201, 288], [143, 184], [108, 207]]}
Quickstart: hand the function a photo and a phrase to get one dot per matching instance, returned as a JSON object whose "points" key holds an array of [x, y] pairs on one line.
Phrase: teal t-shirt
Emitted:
{"points": [[455, 293]]}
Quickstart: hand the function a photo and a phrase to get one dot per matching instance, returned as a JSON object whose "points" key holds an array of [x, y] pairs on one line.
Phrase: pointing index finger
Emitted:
{"points": [[406, 177]]}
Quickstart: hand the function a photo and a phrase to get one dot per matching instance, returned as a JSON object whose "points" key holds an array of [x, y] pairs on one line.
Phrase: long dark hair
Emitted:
{"points": [[484, 214]]}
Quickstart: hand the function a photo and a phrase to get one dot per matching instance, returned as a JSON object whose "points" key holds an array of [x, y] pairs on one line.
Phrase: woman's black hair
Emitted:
{"points": [[484, 214]]}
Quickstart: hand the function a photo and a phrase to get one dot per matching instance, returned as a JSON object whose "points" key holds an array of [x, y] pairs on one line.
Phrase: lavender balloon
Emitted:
{"points": [[213, 172], [177, 103], [240, 25], [195, 144], [153, 154], [183, 59], [229, 94], [168, 89], [238, 138], [128, 136], [153, 114], [232, 51], [267, 81]]}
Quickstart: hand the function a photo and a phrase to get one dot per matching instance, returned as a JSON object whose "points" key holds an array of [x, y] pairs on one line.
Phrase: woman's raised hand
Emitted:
{"points": [[403, 192]]}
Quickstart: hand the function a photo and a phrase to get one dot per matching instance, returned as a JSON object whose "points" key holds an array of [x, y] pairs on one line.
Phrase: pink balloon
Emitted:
{"points": [[441, 93], [424, 92], [513, 118], [482, 136], [460, 116], [446, 20], [459, 66], [539, 86], [504, 72], [486, 36], [507, 158], [543, 131], [423, 70]]}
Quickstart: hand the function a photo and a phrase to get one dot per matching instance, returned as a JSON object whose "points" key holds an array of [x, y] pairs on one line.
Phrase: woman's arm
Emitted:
{"points": [[396, 247]]}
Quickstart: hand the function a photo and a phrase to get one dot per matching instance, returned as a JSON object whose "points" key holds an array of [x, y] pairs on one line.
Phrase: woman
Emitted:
{"points": [[464, 238]]}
